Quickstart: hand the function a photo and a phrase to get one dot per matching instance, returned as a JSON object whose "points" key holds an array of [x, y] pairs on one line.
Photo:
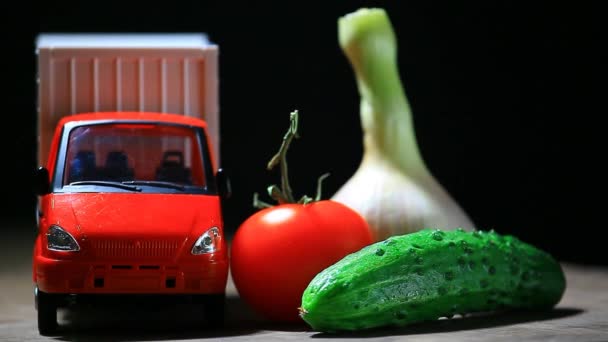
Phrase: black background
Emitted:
{"points": [[505, 96]]}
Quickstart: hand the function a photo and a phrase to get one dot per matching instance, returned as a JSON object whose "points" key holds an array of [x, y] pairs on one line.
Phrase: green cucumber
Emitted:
{"points": [[428, 275]]}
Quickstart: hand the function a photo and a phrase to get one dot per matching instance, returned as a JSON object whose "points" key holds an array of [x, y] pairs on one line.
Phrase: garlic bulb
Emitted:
{"points": [[392, 189]]}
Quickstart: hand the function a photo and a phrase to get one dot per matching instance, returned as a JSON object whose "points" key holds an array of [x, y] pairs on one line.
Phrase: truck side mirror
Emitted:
{"points": [[42, 184], [224, 187]]}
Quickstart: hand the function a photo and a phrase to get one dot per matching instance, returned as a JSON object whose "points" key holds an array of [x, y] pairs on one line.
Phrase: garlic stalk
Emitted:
{"points": [[392, 189]]}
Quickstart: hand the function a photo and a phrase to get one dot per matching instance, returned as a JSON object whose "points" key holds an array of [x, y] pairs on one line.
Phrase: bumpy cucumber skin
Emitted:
{"points": [[430, 274]]}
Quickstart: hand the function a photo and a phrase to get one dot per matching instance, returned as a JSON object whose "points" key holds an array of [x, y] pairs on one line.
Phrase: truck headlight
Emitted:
{"points": [[60, 240], [208, 242]]}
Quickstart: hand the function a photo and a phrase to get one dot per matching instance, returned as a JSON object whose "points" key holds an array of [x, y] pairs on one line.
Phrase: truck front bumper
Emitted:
{"points": [[196, 276]]}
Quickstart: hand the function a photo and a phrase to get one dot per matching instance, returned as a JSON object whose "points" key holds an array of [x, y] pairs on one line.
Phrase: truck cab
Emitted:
{"points": [[129, 188], [129, 204]]}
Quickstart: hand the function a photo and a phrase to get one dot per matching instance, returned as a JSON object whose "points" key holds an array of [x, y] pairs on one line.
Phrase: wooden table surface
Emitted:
{"points": [[582, 315]]}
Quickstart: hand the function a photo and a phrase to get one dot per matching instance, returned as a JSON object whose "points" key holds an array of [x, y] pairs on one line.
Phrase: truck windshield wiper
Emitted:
{"points": [[157, 183], [108, 183]]}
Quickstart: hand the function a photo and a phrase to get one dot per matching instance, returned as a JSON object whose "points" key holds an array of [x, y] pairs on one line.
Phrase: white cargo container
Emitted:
{"points": [[168, 73]]}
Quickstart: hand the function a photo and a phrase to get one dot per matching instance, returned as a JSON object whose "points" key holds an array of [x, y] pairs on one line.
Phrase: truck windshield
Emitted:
{"points": [[135, 153]]}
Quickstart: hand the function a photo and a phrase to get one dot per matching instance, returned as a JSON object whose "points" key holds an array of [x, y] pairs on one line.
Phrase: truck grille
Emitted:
{"points": [[135, 248]]}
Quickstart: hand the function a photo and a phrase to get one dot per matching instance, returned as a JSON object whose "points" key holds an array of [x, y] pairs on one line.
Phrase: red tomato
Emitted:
{"points": [[277, 251]]}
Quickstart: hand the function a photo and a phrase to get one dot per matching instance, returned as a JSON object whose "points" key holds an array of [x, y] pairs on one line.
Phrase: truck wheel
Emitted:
{"points": [[47, 312]]}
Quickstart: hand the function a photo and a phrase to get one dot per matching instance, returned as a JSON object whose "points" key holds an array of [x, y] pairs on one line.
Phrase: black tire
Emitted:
{"points": [[214, 309], [46, 305]]}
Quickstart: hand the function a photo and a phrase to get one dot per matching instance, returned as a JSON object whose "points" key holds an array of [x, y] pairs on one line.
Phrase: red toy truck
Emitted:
{"points": [[130, 189]]}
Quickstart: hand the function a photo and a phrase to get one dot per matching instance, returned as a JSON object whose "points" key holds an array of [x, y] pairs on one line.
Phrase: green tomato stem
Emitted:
{"points": [[319, 185], [284, 194], [281, 157], [258, 203], [276, 194]]}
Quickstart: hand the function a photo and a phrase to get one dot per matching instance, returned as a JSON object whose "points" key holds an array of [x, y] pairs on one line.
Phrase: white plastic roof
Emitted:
{"points": [[129, 40]]}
